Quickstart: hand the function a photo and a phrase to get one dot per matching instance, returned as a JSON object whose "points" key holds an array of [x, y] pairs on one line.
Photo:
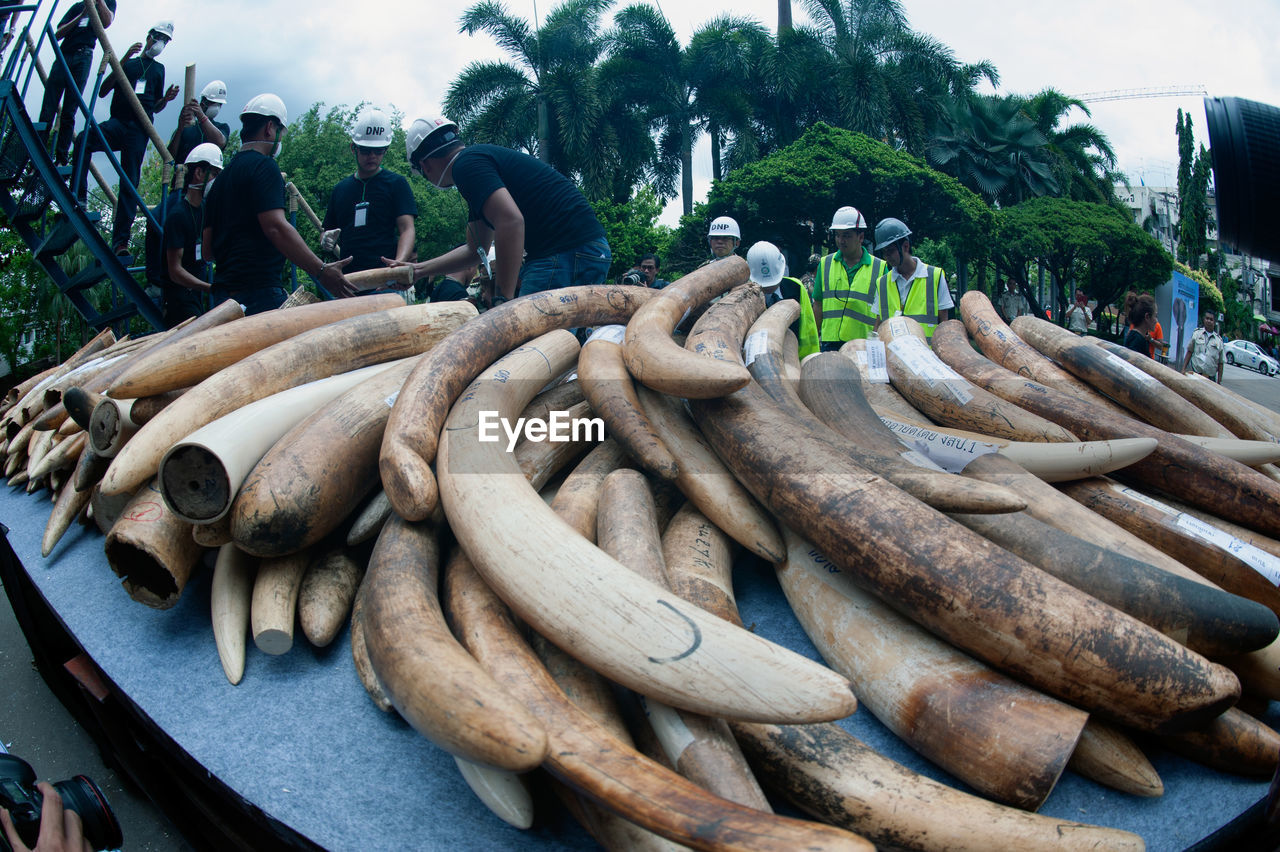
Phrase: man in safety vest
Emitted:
{"points": [[769, 270], [852, 291], [922, 289]]}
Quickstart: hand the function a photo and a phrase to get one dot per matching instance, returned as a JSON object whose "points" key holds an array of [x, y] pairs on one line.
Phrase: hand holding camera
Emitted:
{"points": [[65, 815]]}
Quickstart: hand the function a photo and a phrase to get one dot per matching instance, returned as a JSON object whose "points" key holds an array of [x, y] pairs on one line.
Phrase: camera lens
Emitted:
{"points": [[1245, 138], [81, 795]]}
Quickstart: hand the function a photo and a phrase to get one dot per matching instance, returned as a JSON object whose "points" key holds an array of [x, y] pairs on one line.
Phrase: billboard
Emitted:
{"points": [[1178, 307]]}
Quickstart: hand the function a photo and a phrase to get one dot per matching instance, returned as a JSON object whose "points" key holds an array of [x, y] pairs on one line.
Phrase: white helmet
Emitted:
{"points": [[266, 104], [768, 266], [215, 92], [372, 129], [723, 226], [846, 218], [164, 28], [207, 153], [439, 131]]}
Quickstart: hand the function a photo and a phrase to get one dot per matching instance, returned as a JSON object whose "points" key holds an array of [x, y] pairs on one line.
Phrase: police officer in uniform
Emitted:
{"points": [[852, 292], [370, 214], [185, 279], [246, 233], [922, 289]]}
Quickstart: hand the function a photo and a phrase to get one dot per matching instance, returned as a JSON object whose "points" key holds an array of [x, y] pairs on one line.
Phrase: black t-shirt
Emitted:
{"points": [[82, 36], [193, 135], [556, 215], [148, 73], [183, 229], [388, 196], [1137, 341], [244, 258]]}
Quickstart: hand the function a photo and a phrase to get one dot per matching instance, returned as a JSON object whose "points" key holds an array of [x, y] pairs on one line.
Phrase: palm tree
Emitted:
{"points": [[890, 82], [1080, 154], [994, 148], [723, 61], [547, 103]]}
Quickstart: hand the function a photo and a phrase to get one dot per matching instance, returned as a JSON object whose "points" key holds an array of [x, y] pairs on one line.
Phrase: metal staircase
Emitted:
{"points": [[41, 208]]}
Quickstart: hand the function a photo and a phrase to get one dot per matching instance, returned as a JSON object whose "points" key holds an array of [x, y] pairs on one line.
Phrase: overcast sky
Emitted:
{"points": [[405, 53]]}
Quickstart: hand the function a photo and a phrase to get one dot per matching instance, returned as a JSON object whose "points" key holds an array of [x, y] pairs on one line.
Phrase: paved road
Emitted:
{"points": [[35, 726]]}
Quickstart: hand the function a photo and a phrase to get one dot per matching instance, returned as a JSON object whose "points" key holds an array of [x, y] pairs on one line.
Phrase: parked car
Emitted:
{"points": [[1245, 353]]}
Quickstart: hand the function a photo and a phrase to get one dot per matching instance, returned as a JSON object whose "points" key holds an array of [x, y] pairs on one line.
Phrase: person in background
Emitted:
{"points": [[723, 237], [371, 212], [76, 38], [922, 289], [1011, 303], [1206, 352], [197, 124], [649, 266], [1142, 319], [246, 233], [186, 274], [769, 269], [1078, 315], [853, 291], [517, 203], [122, 131]]}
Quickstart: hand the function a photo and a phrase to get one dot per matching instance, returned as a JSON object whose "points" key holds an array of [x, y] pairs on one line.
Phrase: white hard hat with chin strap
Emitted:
{"points": [[439, 132], [266, 104], [724, 226], [847, 218], [215, 92], [768, 266], [372, 129]]}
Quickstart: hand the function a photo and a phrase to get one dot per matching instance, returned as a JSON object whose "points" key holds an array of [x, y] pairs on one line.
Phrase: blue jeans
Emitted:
{"points": [[255, 300], [586, 264]]}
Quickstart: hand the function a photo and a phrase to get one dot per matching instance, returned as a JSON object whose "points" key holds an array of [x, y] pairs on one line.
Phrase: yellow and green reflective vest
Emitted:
{"points": [[851, 310], [922, 298], [807, 330]]}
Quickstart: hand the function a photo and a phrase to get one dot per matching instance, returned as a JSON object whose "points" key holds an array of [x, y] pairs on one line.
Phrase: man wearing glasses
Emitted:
{"points": [[370, 214], [649, 266], [852, 292]]}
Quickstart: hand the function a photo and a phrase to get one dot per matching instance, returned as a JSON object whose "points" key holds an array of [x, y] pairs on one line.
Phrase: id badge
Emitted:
{"points": [[140, 87], [199, 251], [362, 214], [84, 20]]}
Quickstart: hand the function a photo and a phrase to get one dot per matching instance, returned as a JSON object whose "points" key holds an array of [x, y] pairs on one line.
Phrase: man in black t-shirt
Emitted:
{"points": [[196, 125], [122, 131], [76, 38], [246, 233], [527, 209], [185, 277], [370, 213]]}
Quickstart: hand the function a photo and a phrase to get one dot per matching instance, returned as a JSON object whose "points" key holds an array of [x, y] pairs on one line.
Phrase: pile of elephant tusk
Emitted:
{"points": [[524, 533]]}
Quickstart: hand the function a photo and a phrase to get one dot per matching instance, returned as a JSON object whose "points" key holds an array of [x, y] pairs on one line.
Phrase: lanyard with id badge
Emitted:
{"points": [[362, 214]]}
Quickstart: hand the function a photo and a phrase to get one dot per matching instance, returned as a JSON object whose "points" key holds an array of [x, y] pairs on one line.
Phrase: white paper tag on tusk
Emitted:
{"points": [[877, 363], [391, 400], [755, 345], [1132, 371], [612, 333], [948, 452], [920, 360]]}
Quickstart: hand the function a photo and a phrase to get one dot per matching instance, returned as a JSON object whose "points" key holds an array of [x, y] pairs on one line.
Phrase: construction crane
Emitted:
{"points": [[1139, 94]]}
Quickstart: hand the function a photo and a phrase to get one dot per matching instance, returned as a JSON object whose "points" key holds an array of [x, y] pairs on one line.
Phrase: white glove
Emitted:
{"points": [[329, 240]]}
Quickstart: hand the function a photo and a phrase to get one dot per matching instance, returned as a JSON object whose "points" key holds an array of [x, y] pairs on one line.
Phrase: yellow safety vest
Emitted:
{"points": [[851, 310], [808, 328], [922, 301]]}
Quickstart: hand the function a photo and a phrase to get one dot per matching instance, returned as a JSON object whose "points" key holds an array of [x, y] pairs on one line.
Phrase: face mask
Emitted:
{"points": [[444, 170], [212, 110], [154, 50]]}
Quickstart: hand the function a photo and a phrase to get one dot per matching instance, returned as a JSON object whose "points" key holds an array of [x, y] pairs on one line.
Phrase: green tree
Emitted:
{"points": [[788, 198], [633, 231], [993, 147], [1193, 185], [547, 103], [890, 82]]}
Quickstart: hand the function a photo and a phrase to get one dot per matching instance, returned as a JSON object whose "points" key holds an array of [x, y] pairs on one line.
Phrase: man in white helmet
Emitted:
{"points": [[372, 211], [922, 289], [185, 279], [769, 269], [723, 237], [122, 131], [545, 233], [852, 292], [197, 124], [246, 233]]}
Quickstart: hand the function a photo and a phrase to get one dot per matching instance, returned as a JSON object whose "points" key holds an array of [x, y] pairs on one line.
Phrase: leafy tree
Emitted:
{"points": [[1093, 246], [1193, 185], [788, 198], [1079, 155], [993, 147], [633, 231], [547, 103], [890, 82]]}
